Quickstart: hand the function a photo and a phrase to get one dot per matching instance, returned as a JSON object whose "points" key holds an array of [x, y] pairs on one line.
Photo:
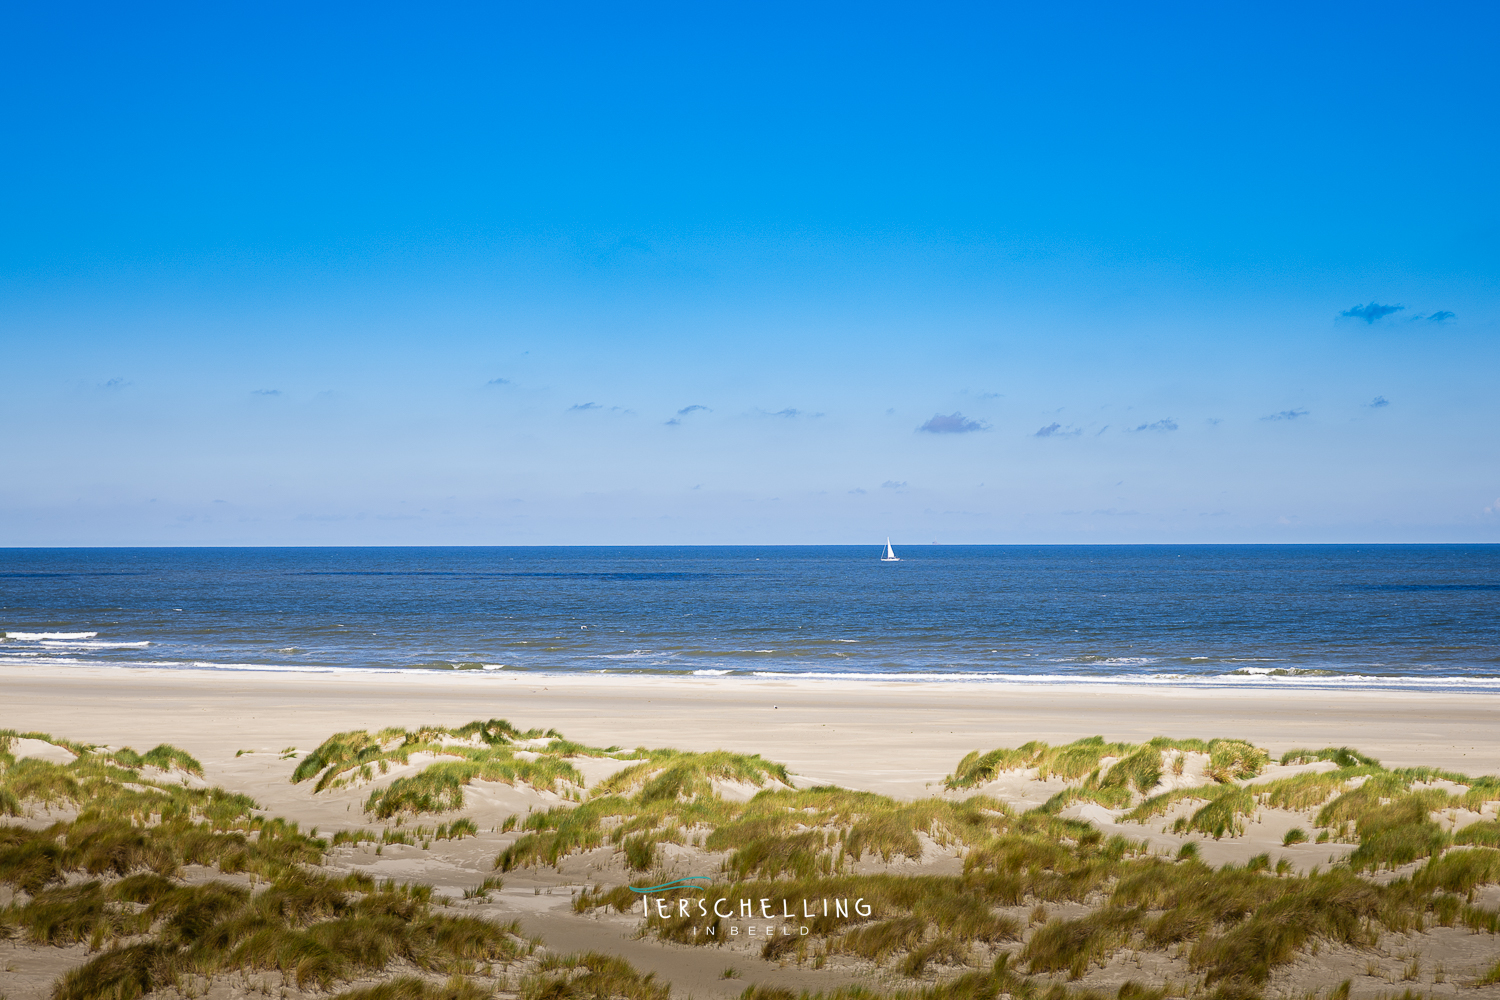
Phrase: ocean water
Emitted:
{"points": [[1404, 616]]}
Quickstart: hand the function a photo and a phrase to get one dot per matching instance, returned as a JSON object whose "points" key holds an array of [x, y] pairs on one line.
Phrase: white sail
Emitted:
{"points": [[890, 553]]}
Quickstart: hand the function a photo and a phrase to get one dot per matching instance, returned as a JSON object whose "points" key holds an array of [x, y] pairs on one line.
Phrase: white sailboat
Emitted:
{"points": [[890, 553]]}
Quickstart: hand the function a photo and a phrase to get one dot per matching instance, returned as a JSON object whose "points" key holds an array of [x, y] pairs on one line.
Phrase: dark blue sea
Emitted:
{"points": [[1406, 616]]}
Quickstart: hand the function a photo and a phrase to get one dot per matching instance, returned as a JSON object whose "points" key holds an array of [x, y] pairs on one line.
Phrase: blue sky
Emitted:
{"points": [[505, 274]]}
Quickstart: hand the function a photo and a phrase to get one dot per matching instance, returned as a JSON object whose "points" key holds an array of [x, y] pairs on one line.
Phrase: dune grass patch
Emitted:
{"points": [[439, 787], [1342, 756], [408, 835], [128, 822], [497, 751], [478, 751], [1388, 814], [1140, 765], [110, 878], [832, 860], [163, 756], [590, 976], [999, 979], [1485, 833], [1234, 925], [312, 929], [675, 774], [795, 832], [415, 988], [1069, 762], [347, 751]]}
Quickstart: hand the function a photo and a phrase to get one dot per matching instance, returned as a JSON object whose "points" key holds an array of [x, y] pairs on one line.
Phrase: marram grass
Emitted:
{"points": [[492, 751], [108, 878], [1142, 763], [1233, 925]]}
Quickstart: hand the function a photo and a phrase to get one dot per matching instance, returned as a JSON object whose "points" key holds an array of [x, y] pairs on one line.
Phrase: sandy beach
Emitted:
{"points": [[894, 738], [249, 730]]}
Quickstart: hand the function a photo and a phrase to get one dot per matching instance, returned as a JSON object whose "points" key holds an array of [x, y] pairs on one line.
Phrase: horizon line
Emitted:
{"points": [[762, 545]]}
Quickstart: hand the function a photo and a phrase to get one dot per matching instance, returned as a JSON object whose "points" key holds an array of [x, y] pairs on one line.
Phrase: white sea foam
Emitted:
{"points": [[1242, 678], [93, 644], [38, 636], [1105, 661], [1249, 673], [271, 667], [18, 660]]}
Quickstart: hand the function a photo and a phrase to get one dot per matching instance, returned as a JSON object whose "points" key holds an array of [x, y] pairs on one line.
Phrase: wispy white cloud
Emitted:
{"points": [[685, 411], [1371, 312], [952, 423]]}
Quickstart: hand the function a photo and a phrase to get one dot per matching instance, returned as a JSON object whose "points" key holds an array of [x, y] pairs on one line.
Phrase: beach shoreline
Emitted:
{"points": [[897, 738], [251, 731]]}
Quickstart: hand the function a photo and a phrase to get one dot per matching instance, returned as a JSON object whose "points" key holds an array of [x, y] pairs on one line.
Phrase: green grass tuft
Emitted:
{"points": [[1235, 760], [164, 757], [412, 988], [591, 976], [678, 775], [1137, 766], [1073, 945], [1342, 756], [1483, 834]]}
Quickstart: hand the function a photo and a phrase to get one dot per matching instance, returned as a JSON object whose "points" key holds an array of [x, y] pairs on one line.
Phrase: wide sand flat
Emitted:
{"points": [[899, 739], [894, 738]]}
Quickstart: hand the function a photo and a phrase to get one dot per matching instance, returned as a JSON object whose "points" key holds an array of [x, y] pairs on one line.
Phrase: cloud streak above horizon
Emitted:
{"points": [[952, 423], [1371, 312]]}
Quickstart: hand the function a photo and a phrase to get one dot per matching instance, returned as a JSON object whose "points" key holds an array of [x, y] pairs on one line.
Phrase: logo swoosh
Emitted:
{"points": [[690, 882]]}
